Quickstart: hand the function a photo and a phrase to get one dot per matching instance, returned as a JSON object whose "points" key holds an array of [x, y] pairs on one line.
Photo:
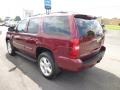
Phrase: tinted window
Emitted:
{"points": [[89, 27], [58, 25], [33, 26], [22, 26]]}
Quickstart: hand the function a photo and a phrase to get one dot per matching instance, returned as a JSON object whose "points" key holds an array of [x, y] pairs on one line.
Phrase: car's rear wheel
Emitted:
{"points": [[10, 48], [47, 65]]}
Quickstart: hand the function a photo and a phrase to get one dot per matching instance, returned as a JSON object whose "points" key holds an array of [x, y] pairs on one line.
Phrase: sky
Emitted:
{"points": [[104, 8]]}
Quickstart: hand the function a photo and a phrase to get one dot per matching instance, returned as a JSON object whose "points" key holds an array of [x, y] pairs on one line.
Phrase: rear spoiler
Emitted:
{"points": [[88, 17]]}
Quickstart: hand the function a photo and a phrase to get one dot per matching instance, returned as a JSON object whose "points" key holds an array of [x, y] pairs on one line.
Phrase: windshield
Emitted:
{"points": [[89, 27]]}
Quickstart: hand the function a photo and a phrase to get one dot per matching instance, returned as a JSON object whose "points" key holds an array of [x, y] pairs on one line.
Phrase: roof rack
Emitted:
{"points": [[60, 12], [50, 13], [36, 15]]}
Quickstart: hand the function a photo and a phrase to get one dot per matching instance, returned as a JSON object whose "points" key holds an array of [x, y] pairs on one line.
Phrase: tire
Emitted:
{"points": [[10, 49], [47, 65]]}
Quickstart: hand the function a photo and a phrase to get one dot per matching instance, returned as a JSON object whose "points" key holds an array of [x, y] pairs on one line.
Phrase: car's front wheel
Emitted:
{"points": [[10, 48], [47, 65]]}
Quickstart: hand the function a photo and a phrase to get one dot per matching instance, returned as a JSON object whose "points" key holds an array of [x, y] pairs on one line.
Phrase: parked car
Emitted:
{"points": [[58, 41], [10, 23], [2, 23]]}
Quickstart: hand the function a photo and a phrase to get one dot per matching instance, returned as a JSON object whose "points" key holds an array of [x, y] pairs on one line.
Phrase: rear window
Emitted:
{"points": [[57, 25], [89, 27]]}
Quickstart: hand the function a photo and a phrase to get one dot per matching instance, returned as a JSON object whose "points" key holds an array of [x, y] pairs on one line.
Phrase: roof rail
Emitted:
{"points": [[36, 14], [50, 13], [59, 12]]}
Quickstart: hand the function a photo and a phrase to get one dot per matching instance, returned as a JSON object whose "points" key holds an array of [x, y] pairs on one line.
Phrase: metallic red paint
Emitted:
{"points": [[59, 46]]}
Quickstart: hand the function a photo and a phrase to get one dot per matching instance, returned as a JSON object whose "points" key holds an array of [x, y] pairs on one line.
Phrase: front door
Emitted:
{"points": [[18, 38]]}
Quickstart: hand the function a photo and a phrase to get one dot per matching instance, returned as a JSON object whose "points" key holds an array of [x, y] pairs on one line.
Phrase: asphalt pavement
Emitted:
{"points": [[18, 73]]}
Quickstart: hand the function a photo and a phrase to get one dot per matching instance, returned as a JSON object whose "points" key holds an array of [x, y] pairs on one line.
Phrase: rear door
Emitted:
{"points": [[91, 35], [31, 38]]}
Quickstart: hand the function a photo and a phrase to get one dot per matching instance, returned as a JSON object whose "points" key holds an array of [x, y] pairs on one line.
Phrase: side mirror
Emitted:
{"points": [[11, 29], [103, 25]]}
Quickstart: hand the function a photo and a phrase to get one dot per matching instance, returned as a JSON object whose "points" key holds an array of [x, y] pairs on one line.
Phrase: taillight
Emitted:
{"points": [[75, 48]]}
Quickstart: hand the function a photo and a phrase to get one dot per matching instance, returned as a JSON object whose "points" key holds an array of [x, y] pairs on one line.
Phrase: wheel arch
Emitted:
{"points": [[40, 50]]}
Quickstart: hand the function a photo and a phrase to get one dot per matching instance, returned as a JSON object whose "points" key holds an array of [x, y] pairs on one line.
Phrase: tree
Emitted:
{"points": [[17, 18], [119, 24], [0, 20], [7, 18]]}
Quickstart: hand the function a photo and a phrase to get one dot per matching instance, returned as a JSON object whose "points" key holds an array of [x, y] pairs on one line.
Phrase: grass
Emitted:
{"points": [[112, 27]]}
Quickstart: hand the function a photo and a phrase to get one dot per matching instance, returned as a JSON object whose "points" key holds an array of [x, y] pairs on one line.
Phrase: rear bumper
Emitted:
{"points": [[79, 64]]}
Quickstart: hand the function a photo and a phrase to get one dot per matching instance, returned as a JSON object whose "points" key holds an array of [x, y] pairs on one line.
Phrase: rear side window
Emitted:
{"points": [[57, 25], [33, 26], [89, 27]]}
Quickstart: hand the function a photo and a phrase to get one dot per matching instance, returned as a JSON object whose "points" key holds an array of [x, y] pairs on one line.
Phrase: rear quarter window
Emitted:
{"points": [[57, 25]]}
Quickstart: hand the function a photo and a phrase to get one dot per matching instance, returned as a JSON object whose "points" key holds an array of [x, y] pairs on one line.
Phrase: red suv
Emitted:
{"points": [[58, 41]]}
